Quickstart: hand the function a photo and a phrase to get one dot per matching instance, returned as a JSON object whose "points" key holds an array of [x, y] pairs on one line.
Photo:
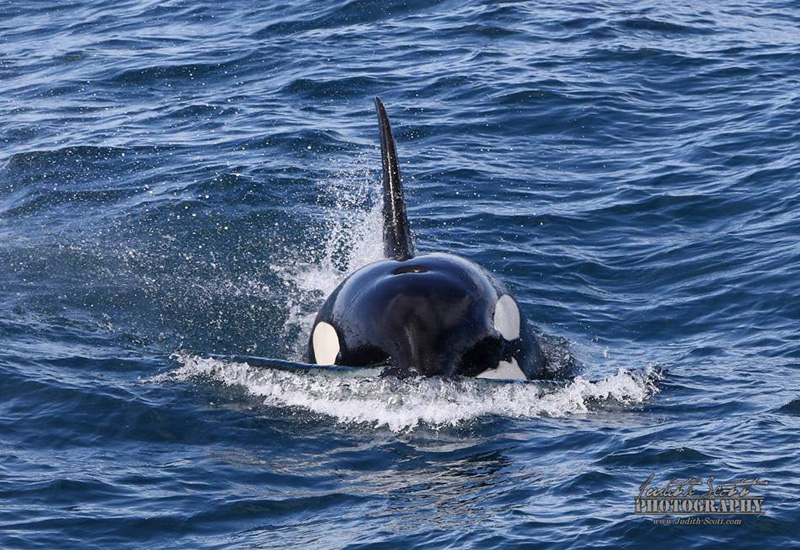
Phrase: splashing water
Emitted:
{"points": [[402, 405], [352, 238], [352, 231]]}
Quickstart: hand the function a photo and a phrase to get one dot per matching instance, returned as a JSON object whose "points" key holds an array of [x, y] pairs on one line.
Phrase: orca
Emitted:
{"points": [[434, 314]]}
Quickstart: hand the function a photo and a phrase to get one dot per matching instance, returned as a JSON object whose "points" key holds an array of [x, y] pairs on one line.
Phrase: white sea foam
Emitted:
{"points": [[402, 405]]}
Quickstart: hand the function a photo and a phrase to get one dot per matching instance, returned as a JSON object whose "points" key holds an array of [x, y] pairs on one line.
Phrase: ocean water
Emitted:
{"points": [[183, 178]]}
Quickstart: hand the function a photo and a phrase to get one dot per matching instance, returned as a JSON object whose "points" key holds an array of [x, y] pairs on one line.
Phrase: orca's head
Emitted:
{"points": [[430, 315]]}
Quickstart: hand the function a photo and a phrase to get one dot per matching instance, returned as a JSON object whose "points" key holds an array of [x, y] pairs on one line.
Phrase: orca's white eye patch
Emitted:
{"points": [[506, 370], [507, 318], [326, 343]]}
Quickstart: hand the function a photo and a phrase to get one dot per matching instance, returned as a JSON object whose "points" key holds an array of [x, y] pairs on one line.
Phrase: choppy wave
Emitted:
{"points": [[199, 175]]}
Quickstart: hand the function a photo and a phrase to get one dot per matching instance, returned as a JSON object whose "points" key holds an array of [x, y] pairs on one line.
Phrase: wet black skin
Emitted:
{"points": [[429, 315]]}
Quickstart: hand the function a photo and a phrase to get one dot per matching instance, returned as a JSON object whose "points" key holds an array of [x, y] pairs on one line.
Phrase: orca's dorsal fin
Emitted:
{"points": [[396, 234]]}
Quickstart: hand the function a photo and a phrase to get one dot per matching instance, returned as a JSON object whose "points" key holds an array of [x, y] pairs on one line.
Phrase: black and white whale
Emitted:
{"points": [[422, 314]]}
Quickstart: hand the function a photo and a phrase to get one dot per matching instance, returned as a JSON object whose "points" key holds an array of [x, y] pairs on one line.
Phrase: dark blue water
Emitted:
{"points": [[189, 177]]}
